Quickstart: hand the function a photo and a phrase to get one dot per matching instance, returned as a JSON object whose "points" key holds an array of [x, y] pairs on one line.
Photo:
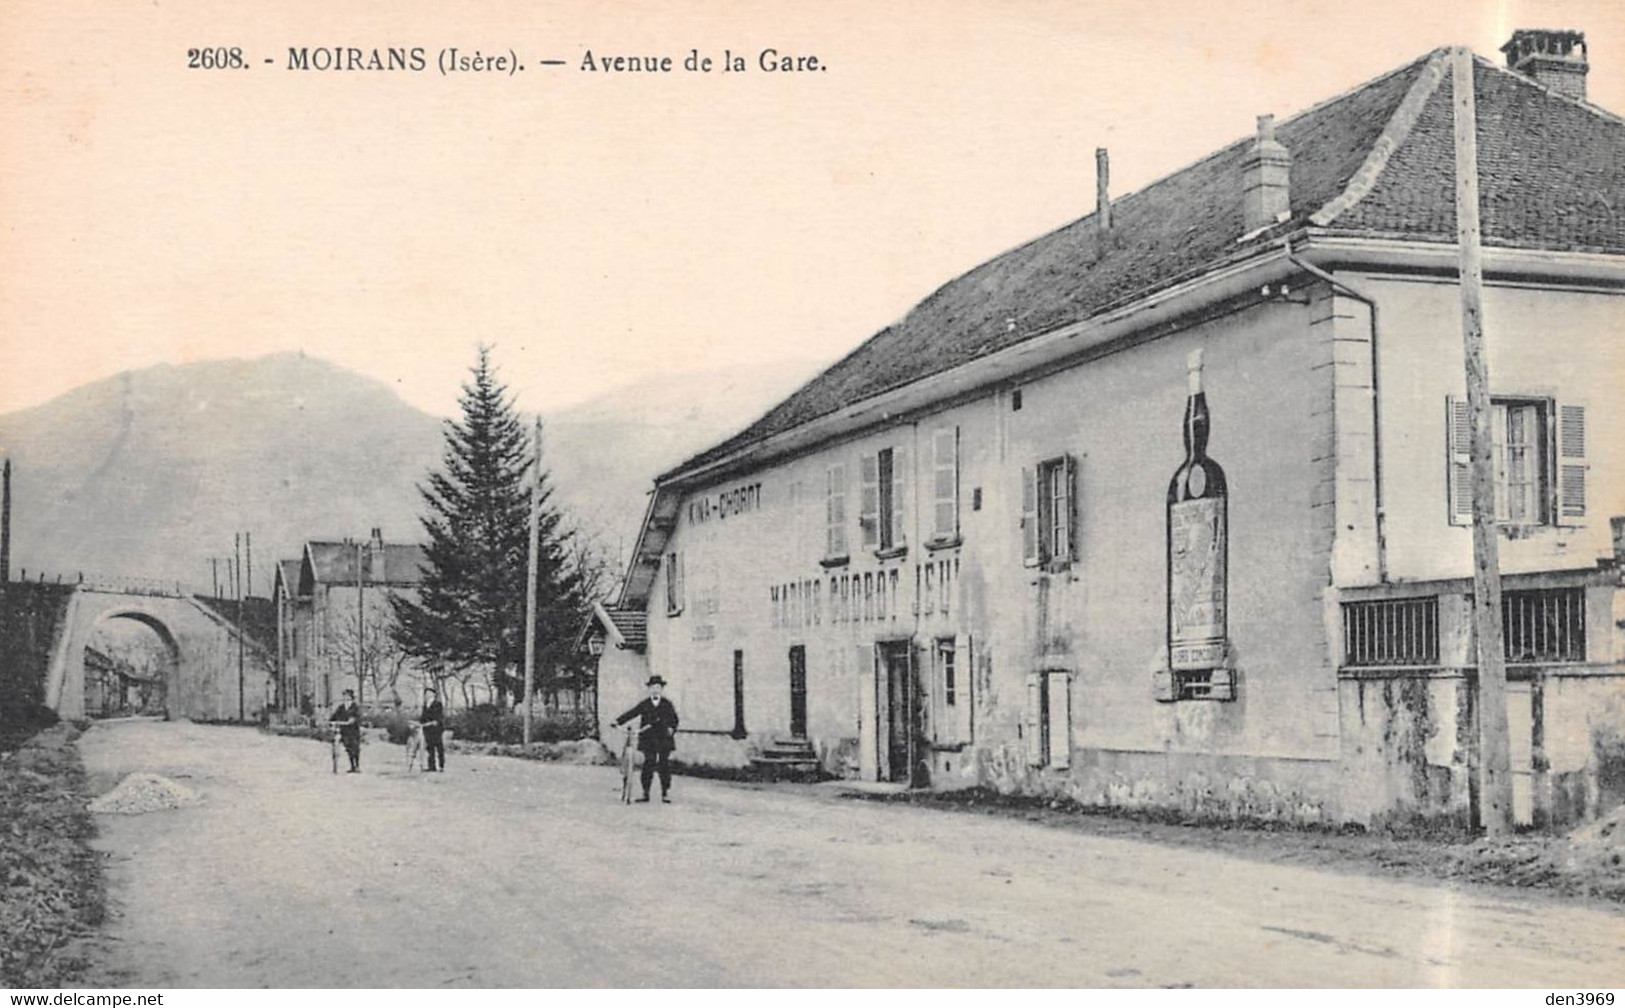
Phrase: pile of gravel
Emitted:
{"points": [[144, 792]]}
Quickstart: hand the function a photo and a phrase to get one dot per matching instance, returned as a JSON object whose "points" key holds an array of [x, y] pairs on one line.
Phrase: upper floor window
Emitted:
{"points": [[1539, 456], [1049, 512], [880, 519], [674, 583]]}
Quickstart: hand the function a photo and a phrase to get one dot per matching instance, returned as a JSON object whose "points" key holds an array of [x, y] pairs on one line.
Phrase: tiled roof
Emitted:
{"points": [[335, 563], [631, 624], [1551, 172], [1376, 160], [288, 573]]}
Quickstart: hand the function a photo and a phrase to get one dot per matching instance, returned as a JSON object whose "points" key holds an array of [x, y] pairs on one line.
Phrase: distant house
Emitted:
{"points": [[292, 637], [334, 620], [115, 686]]}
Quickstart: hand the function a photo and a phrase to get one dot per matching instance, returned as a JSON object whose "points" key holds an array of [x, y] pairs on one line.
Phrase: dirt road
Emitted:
{"points": [[506, 873]]}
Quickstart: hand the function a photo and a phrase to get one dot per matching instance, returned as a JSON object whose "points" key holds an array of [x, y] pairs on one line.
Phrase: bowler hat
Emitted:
{"points": [[655, 680]]}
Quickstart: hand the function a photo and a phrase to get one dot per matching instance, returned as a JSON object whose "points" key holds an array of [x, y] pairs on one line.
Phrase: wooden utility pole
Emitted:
{"points": [[242, 706], [360, 625], [5, 528], [1494, 758], [530, 580]]}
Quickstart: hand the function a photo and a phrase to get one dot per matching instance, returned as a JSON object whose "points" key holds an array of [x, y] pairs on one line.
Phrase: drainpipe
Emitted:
{"points": [[1376, 411]]}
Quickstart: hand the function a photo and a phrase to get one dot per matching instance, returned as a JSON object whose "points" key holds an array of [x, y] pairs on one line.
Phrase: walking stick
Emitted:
{"points": [[333, 743]]}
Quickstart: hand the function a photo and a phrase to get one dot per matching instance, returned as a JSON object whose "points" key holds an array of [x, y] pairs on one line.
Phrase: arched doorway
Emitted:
{"points": [[130, 662]]}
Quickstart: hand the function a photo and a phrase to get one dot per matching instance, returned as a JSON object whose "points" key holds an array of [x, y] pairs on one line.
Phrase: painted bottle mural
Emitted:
{"points": [[1198, 533]]}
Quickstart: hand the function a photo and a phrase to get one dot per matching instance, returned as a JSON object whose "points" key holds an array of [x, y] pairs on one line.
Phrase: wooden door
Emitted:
{"points": [[903, 748], [798, 691]]}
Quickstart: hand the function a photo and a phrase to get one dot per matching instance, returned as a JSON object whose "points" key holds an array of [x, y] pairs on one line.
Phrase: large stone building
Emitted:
{"points": [[1003, 542], [334, 617]]}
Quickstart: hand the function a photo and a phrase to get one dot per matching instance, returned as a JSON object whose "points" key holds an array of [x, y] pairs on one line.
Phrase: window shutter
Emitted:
{"points": [[965, 698], [869, 501], [1571, 463], [899, 498], [1031, 727], [1459, 461], [1029, 517], [681, 596], [835, 512], [868, 727], [925, 701], [1060, 719], [947, 717], [945, 485], [1072, 508]]}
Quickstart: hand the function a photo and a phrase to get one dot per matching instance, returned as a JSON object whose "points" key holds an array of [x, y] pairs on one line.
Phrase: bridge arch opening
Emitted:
{"points": [[131, 665]]}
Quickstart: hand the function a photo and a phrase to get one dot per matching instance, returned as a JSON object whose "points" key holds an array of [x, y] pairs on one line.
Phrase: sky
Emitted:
{"points": [[601, 229]]}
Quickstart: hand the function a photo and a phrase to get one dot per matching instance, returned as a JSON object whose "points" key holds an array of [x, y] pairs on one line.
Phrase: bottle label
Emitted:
{"points": [[1196, 583]]}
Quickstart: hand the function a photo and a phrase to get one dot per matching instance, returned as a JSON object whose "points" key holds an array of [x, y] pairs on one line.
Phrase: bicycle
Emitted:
{"points": [[414, 744], [627, 762]]}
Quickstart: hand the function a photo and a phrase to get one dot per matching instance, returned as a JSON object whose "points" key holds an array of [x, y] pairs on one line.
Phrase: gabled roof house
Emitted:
{"points": [[1166, 507]]}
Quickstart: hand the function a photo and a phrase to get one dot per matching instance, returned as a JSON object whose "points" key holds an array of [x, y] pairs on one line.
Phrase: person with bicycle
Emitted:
{"points": [[657, 736], [432, 720], [347, 719]]}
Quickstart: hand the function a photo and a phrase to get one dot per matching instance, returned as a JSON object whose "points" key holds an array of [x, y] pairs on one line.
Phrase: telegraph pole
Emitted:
{"points": [[360, 625], [530, 581], [5, 528], [1495, 758], [242, 705]]}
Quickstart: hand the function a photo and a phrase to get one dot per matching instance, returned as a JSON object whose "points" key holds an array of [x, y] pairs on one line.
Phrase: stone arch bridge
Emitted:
{"points": [[202, 682]]}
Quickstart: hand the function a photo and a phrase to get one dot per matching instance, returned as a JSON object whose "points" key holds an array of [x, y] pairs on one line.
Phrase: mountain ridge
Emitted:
{"points": [[150, 472]]}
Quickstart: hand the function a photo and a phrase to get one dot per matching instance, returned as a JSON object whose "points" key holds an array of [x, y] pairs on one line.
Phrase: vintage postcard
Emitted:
{"points": [[733, 494]]}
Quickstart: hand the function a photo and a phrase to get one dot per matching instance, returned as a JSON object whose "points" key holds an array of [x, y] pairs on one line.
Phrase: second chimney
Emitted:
{"points": [[1266, 175], [1103, 198], [1554, 59]]}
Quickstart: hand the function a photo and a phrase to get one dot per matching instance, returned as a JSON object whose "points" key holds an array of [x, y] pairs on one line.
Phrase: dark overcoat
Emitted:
{"points": [[348, 712], [659, 731], [433, 719]]}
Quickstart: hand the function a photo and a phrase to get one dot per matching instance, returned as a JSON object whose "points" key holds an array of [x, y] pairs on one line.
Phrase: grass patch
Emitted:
{"points": [[51, 886], [1570, 865]]}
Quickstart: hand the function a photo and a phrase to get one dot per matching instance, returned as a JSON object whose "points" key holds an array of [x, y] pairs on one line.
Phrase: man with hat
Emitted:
{"points": [[347, 719], [657, 736], [432, 719]]}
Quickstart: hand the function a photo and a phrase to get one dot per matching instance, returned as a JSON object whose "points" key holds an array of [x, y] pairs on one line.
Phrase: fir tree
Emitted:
{"points": [[470, 609]]}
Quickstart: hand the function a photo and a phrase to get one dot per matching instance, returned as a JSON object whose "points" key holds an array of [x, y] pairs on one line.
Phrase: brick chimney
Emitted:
{"points": [[1103, 196], [1553, 59], [1265, 180]]}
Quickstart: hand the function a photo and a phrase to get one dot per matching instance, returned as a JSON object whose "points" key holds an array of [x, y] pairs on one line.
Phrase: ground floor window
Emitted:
{"points": [[949, 690], [1544, 625], [1389, 632]]}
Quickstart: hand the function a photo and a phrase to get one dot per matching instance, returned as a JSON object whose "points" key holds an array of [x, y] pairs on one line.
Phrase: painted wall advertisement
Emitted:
{"points": [[1196, 587]]}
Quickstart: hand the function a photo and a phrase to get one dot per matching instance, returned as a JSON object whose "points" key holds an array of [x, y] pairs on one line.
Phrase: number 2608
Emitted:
{"points": [[217, 58]]}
